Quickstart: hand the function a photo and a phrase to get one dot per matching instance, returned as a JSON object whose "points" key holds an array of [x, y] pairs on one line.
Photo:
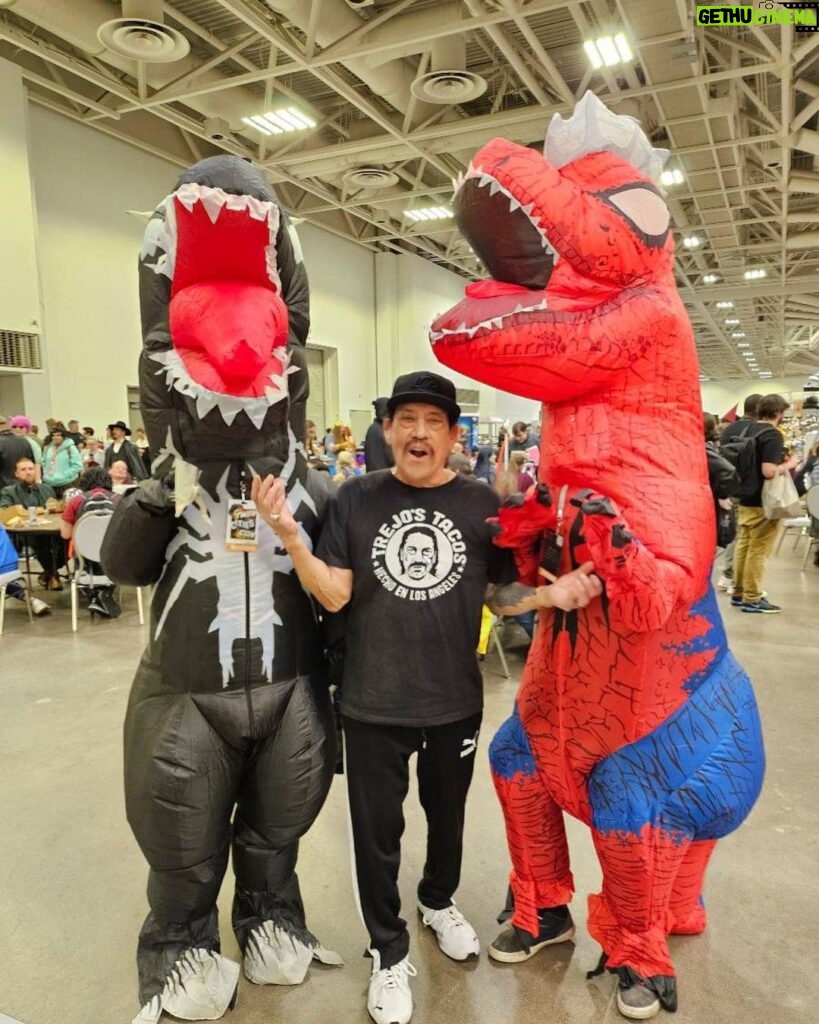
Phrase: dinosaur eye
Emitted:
{"points": [[643, 208]]}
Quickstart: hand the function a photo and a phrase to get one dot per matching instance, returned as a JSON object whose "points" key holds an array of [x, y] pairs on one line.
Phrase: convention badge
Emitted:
{"points": [[551, 555], [242, 526]]}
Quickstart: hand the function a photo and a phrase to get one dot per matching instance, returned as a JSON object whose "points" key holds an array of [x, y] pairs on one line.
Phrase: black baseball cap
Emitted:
{"points": [[427, 387]]}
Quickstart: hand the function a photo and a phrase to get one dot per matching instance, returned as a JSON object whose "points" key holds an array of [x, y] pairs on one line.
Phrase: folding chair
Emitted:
{"points": [[89, 531], [812, 505], [799, 523], [5, 579], [495, 637]]}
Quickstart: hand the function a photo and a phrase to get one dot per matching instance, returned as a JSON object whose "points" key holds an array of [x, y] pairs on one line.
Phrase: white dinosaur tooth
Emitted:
{"points": [[257, 209], [543, 304], [213, 201], [204, 403], [454, 184], [513, 204], [496, 321], [528, 209], [257, 415], [484, 180]]}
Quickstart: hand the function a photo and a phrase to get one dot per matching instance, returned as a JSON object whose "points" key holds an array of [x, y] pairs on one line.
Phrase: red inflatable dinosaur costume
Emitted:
{"points": [[632, 715]]}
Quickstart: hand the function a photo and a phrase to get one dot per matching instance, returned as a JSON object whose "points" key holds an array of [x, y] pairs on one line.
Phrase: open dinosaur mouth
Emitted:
{"points": [[228, 321], [488, 306], [504, 230]]}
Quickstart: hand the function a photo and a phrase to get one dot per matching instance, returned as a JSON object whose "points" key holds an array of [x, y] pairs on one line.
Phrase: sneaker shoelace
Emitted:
{"points": [[397, 975], [449, 917]]}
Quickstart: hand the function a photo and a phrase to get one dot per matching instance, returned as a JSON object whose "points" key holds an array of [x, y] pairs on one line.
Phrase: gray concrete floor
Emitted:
{"points": [[73, 880]]}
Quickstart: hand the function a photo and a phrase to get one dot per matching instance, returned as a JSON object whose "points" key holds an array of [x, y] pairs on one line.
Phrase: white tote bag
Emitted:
{"points": [[780, 499]]}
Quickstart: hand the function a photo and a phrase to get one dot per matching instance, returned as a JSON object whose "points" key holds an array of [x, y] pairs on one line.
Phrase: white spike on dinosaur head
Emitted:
{"points": [[593, 128]]}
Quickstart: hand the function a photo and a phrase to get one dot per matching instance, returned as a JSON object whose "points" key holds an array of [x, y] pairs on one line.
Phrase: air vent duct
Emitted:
{"points": [[449, 81], [141, 34], [370, 177]]}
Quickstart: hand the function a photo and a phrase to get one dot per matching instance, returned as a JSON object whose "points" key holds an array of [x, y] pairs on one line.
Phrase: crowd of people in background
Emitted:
{"points": [[38, 470], [65, 470]]}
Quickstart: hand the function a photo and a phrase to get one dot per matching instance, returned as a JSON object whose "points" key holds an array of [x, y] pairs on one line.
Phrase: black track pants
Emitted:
{"points": [[377, 767]]}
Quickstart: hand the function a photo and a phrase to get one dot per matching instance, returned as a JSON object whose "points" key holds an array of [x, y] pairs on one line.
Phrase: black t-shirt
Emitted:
{"points": [[421, 559], [769, 448]]}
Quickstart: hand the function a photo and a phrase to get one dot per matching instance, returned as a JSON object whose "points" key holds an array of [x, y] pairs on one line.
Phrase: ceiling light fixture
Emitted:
{"points": [[710, 279], [731, 321], [607, 51], [672, 177], [692, 241], [755, 274], [278, 122], [744, 344], [725, 305], [428, 213], [738, 334]]}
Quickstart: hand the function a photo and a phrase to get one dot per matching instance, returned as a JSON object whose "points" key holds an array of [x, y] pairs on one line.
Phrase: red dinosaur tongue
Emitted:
{"points": [[225, 333], [490, 289]]}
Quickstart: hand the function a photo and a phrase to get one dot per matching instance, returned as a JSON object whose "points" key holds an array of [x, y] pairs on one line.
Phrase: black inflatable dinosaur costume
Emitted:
{"points": [[229, 709]]}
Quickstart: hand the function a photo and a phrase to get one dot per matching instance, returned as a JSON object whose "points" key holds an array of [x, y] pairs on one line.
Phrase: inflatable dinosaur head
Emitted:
{"points": [[225, 313], [560, 232]]}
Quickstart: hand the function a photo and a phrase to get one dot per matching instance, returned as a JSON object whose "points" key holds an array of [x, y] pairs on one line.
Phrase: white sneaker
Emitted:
{"points": [[725, 583], [39, 607], [389, 1000], [456, 936]]}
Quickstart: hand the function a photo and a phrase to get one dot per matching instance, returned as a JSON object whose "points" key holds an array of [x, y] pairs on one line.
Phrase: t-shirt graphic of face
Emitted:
{"points": [[418, 555]]}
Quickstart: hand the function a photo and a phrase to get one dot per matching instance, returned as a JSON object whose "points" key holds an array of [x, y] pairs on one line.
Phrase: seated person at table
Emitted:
{"points": [[8, 564], [121, 479], [26, 491], [96, 496]]}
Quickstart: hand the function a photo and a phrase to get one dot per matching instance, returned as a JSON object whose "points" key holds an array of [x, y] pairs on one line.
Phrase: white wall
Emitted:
{"points": [[87, 249], [720, 396], [342, 317]]}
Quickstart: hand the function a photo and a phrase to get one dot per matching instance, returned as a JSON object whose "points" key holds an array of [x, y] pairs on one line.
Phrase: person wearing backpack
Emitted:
{"points": [[755, 532], [727, 438], [96, 496]]}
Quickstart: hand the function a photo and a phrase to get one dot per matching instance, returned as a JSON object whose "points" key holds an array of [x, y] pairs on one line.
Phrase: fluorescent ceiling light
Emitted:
{"points": [[278, 122], [672, 177], [744, 344], [428, 213], [731, 321], [755, 274], [725, 305], [710, 279], [607, 51], [738, 334], [692, 241]]}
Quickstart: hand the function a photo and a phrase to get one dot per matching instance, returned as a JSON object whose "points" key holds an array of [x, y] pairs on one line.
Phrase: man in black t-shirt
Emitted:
{"points": [[408, 551], [756, 533]]}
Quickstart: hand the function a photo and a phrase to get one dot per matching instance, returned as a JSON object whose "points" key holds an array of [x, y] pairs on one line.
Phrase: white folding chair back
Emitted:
{"points": [[88, 535], [798, 523], [812, 505], [5, 579], [89, 531]]}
